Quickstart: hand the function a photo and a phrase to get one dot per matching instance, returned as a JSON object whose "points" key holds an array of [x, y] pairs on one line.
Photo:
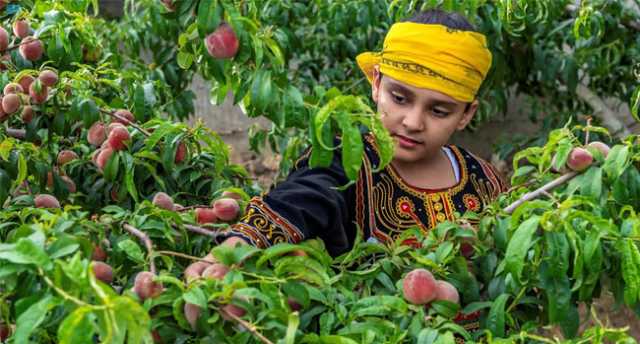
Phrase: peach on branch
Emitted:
{"points": [[601, 146], [181, 153], [98, 253], [226, 209], [579, 159], [96, 135], [419, 287], [71, 185], [222, 43], [103, 158], [215, 271], [126, 115], [25, 81], [21, 28], [66, 156], [118, 136], [27, 114], [12, 88], [164, 201], [145, 287], [194, 271], [11, 103], [46, 201], [205, 215], [103, 271], [191, 313], [31, 48], [446, 291], [38, 92], [48, 77], [4, 39]]}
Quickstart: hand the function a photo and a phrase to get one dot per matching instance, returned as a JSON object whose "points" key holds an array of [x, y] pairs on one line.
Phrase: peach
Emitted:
{"points": [[164, 201], [215, 271], [194, 271], [145, 287], [26, 81], [27, 114], [601, 146], [226, 209], [103, 158], [446, 291], [222, 43], [5, 330], [579, 159], [181, 153], [66, 156], [38, 92], [46, 201], [96, 135], [4, 39], [98, 253], [31, 48], [126, 115], [205, 215], [21, 28], [293, 304], [191, 313], [71, 185], [103, 272], [419, 287], [232, 309], [48, 77], [12, 88], [117, 138], [231, 194]]}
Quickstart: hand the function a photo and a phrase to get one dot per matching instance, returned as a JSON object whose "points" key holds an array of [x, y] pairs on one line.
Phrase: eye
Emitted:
{"points": [[398, 98], [440, 112]]}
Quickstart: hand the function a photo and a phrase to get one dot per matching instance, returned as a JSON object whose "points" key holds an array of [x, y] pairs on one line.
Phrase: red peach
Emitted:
{"points": [[191, 313], [205, 215], [46, 201], [231, 194], [226, 209], [12, 88], [71, 185], [181, 153], [27, 114], [96, 135], [194, 271], [118, 137], [601, 146], [21, 28], [31, 48], [222, 43], [26, 81], [103, 272], [5, 330], [232, 309], [126, 115], [48, 77], [215, 271], [98, 253], [579, 159], [66, 156], [103, 158], [446, 291], [40, 95], [4, 39], [419, 287], [164, 201], [145, 287]]}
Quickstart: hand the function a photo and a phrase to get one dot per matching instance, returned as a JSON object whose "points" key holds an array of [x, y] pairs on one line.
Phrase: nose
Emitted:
{"points": [[413, 119]]}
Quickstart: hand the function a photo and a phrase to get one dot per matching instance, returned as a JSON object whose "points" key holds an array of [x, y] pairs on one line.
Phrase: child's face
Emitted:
{"points": [[420, 120]]}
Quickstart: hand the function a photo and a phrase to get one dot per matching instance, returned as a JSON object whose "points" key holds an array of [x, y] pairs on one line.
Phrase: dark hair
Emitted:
{"points": [[452, 20]]}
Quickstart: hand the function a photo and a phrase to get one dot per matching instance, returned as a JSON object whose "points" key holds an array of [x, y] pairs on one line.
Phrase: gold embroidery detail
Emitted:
{"points": [[471, 202], [441, 217], [437, 206], [405, 207]]}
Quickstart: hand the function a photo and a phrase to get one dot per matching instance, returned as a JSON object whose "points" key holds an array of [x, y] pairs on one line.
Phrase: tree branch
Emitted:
{"points": [[540, 191], [147, 243], [113, 114], [201, 230], [248, 326], [20, 134]]}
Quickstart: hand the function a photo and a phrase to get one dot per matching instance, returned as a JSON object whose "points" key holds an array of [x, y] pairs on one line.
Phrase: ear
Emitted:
{"points": [[375, 84], [468, 115]]}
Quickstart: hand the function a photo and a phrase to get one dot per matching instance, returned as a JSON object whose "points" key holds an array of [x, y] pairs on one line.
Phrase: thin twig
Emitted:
{"points": [[586, 138], [20, 134], [248, 326], [201, 230], [147, 243], [131, 123], [191, 207], [182, 255], [540, 191]]}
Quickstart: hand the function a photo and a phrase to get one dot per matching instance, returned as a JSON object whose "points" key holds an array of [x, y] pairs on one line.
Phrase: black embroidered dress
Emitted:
{"points": [[307, 204]]}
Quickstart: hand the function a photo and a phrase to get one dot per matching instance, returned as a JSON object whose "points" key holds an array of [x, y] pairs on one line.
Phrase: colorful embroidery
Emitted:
{"points": [[471, 202]]}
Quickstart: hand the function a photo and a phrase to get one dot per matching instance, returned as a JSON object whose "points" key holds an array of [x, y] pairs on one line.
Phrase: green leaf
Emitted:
{"points": [[77, 327], [496, 317], [89, 112], [32, 317], [209, 15], [616, 161], [292, 327], [519, 245], [25, 251], [352, 151], [184, 59], [196, 296], [111, 169], [132, 250], [592, 183], [5, 186], [635, 104]]}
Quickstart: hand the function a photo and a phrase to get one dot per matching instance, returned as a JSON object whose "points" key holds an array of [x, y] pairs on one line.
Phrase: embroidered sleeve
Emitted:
{"points": [[498, 181], [306, 205]]}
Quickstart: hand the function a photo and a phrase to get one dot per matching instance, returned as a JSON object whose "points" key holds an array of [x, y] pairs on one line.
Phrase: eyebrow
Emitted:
{"points": [[410, 92]]}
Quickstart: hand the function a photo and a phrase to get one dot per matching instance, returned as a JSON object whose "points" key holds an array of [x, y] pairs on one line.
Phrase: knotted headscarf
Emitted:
{"points": [[432, 56]]}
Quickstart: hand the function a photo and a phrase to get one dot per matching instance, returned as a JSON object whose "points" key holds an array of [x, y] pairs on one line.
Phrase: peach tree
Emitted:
{"points": [[105, 199]]}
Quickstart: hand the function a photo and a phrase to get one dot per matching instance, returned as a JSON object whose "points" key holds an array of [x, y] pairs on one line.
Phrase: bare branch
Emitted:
{"points": [[147, 243], [20, 134], [540, 191], [248, 326]]}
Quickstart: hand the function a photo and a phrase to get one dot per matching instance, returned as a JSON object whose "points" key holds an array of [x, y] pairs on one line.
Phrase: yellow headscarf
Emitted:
{"points": [[432, 56]]}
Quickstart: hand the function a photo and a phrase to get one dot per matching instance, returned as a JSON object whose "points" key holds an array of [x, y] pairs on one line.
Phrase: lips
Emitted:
{"points": [[408, 139]]}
